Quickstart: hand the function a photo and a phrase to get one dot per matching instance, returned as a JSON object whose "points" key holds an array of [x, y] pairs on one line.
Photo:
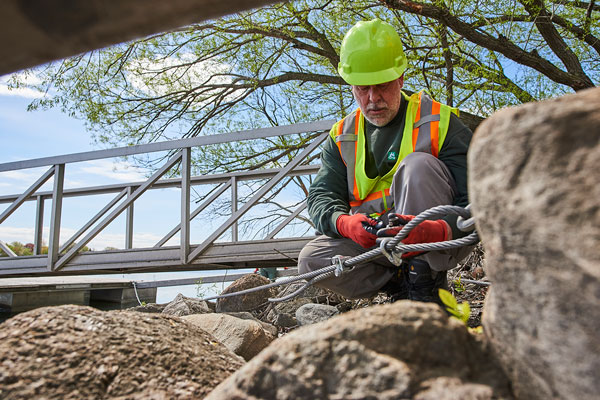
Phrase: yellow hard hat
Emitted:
{"points": [[371, 54]]}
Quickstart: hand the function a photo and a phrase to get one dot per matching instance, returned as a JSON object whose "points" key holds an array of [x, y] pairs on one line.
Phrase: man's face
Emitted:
{"points": [[379, 103]]}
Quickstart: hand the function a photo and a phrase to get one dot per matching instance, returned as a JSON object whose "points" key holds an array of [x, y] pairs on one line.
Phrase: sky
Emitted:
{"points": [[34, 134], [26, 135]]}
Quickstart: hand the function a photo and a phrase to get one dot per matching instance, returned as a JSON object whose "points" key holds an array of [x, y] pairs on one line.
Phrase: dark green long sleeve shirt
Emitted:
{"points": [[328, 194]]}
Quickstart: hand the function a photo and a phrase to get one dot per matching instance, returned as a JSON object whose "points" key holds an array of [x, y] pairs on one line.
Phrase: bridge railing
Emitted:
{"points": [[65, 256]]}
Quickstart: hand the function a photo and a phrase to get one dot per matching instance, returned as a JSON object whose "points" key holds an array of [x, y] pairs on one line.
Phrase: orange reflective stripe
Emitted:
{"points": [[372, 196], [356, 132], [435, 130]]}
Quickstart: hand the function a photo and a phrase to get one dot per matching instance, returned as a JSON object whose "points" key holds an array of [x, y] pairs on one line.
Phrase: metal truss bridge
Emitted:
{"points": [[65, 256]]}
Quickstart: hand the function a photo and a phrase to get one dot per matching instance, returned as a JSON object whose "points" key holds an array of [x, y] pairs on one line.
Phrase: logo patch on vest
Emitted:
{"points": [[392, 156]]}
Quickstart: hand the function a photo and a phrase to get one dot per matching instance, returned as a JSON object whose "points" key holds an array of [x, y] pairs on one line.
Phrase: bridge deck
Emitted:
{"points": [[238, 255]]}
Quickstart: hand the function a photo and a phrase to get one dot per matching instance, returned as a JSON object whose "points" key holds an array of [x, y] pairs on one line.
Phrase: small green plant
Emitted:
{"points": [[203, 291], [458, 286], [461, 312]]}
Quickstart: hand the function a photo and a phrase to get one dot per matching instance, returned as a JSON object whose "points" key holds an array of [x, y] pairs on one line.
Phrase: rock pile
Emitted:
{"points": [[75, 352], [536, 199]]}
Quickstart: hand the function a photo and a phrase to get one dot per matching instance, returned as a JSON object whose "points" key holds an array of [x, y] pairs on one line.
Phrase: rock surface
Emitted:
{"points": [[182, 305], [75, 352], [312, 313], [283, 314], [535, 191], [246, 302], [245, 337], [246, 315], [394, 351]]}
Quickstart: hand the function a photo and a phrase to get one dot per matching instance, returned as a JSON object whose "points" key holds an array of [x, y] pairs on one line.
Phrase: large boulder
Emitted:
{"points": [[75, 352], [249, 301], [312, 313], [245, 337], [393, 351], [535, 191], [182, 305]]}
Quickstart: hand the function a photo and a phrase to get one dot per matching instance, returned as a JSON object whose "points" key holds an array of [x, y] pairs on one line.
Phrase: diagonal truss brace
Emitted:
{"points": [[94, 219], [120, 208], [209, 200], [7, 249], [283, 224], [259, 194], [22, 198]]}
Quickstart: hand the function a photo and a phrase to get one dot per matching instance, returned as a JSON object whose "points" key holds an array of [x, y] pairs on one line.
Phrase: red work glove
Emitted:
{"points": [[426, 232], [353, 227]]}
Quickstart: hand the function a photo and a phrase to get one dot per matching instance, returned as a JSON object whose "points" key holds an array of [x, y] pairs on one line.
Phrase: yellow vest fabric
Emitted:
{"points": [[425, 128]]}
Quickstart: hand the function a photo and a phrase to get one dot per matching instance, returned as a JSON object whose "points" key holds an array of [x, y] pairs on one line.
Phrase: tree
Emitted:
{"points": [[277, 65]]}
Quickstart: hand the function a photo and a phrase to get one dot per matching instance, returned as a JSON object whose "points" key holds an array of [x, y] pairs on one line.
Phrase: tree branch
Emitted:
{"points": [[542, 21], [500, 44]]}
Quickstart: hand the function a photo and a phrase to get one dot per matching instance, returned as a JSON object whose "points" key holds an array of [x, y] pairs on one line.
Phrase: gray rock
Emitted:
{"points": [[246, 302], [312, 313], [245, 337], [182, 305], [149, 308], [283, 314], [393, 351], [285, 321], [535, 192], [246, 315], [74, 352]]}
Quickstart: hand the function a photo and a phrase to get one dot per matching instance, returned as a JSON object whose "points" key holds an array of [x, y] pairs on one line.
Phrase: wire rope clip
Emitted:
{"points": [[394, 257], [338, 261], [466, 224]]}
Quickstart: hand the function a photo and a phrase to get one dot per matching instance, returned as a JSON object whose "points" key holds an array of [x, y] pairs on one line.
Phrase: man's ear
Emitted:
{"points": [[401, 80]]}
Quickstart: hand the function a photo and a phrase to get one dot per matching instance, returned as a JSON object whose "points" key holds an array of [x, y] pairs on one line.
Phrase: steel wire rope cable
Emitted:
{"points": [[389, 247]]}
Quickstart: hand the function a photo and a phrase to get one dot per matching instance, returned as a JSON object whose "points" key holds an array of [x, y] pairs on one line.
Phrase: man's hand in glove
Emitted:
{"points": [[426, 232], [353, 227]]}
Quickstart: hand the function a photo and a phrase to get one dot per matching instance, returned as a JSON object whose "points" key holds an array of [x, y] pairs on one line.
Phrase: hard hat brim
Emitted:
{"points": [[372, 78]]}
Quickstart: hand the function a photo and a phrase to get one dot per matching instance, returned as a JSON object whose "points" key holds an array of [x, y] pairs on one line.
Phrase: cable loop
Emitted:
{"points": [[390, 247]]}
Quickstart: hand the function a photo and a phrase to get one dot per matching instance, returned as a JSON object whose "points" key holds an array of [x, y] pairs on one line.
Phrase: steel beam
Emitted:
{"points": [[184, 237], [171, 145], [176, 182], [129, 221], [55, 216], [39, 226], [234, 208]]}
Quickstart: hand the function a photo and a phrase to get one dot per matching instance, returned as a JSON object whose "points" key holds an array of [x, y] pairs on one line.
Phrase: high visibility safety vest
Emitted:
{"points": [[425, 129]]}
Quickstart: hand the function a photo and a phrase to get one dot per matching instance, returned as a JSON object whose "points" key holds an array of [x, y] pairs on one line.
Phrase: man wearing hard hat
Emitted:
{"points": [[395, 154]]}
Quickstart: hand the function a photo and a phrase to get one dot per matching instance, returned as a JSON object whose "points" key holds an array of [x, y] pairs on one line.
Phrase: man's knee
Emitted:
{"points": [[303, 258], [420, 167]]}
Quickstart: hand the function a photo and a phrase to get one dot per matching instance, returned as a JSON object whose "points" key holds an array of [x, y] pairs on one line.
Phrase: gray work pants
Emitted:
{"points": [[421, 182]]}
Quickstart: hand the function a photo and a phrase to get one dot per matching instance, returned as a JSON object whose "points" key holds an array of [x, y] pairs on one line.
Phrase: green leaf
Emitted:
{"points": [[465, 310], [448, 299]]}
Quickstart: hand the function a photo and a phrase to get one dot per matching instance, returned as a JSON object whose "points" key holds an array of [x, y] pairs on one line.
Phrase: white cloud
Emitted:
{"points": [[28, 79], [118, 170], [19, 180], [171, 74]]}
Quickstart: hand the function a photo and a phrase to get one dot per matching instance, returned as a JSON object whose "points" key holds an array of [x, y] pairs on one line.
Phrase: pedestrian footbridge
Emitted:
{"points": [[220, 247]]}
